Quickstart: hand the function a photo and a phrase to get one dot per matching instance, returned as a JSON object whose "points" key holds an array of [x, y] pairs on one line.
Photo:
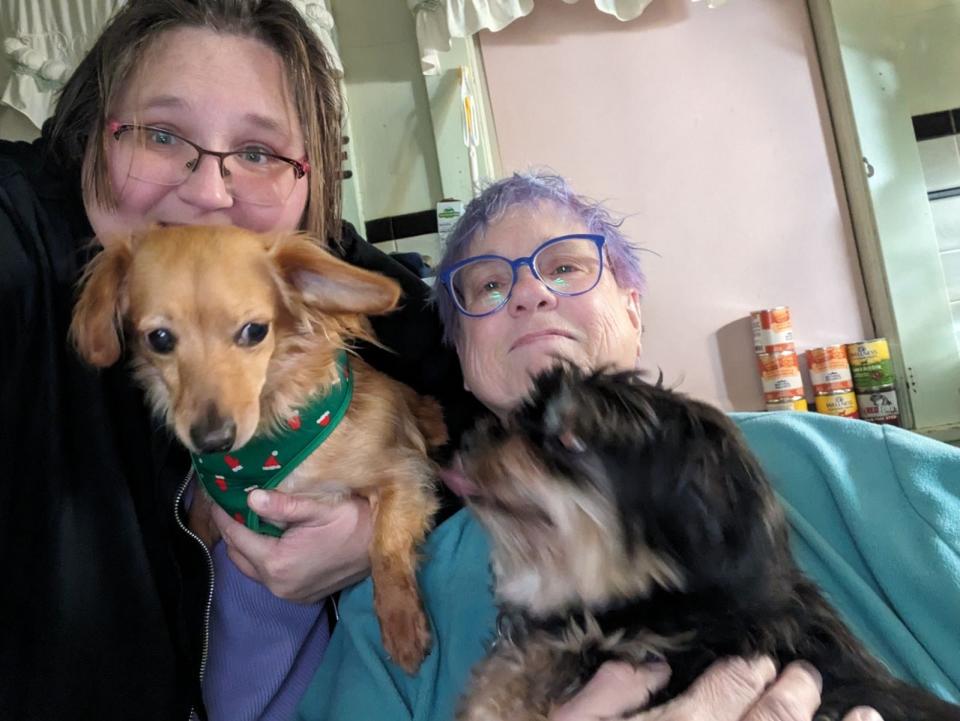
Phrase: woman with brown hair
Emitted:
{"points": [[184, 112]]}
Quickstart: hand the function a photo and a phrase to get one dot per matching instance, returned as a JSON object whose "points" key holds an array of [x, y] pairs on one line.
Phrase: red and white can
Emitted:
{"points": [[772, 330], [829, 369], [879, 405], [780, 375]]}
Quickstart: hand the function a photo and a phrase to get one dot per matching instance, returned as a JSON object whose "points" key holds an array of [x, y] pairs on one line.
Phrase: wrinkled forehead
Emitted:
{"points": [[522, 227]]}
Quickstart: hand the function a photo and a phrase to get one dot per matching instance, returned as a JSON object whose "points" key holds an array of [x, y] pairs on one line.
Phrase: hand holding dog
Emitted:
{"points": [[323, 549], [730, 690]]}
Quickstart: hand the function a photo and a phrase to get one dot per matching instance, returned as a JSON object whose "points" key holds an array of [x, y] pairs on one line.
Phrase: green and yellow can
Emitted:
{"points": [[870, 364]]}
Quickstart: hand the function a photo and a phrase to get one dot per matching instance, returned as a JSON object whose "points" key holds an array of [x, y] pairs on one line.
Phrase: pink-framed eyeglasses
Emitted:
{"points": [[252, 174]]}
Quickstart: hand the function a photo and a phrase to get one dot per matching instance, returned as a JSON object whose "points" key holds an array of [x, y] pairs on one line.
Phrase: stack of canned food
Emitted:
{"points": [[853, 380], [832, 381], [777, 358], [873, 381]]}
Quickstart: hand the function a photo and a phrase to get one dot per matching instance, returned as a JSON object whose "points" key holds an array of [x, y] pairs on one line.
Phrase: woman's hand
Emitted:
{"points": [[323, 549], [732, 689]]}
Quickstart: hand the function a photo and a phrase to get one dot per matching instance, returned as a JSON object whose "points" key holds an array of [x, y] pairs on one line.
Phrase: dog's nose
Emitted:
{"points": [[213, 434], [214, 440]]}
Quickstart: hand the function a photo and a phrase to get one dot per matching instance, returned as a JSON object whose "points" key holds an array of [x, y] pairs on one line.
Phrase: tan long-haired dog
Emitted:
{"points": [[230, 331]]}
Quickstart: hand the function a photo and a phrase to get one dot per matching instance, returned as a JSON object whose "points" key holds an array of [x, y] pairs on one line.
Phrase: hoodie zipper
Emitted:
{"points": [[206, 553]]}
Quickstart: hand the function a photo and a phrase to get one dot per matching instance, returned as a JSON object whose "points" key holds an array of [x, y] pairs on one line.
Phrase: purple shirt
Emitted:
{"points": [[263, 650]]}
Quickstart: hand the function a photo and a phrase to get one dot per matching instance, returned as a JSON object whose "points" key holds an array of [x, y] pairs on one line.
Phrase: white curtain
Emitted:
{"points": [[44, 40], [319, 18], [440, 20]]}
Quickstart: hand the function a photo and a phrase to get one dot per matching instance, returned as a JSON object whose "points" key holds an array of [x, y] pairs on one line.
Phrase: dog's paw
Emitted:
{"points": [[406, 634]]}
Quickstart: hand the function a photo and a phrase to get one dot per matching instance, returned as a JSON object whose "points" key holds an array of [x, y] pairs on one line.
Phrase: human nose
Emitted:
{"points": [[529, 293], [205, 186]]}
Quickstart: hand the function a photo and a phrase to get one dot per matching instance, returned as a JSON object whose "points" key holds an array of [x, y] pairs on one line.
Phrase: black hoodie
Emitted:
{"points": [[103, 609]]}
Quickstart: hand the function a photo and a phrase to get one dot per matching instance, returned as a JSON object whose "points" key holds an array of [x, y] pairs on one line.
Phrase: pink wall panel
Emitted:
{"points": [[709, 129]]}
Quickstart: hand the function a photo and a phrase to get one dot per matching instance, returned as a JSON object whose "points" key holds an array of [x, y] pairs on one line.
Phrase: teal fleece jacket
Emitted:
{"points": [[875, 520]]}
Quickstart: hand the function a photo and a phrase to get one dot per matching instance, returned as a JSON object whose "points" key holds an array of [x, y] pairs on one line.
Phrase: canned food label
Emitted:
{"points": [[870, 363], [873, 375], [772, 330], [826, 381], [830, 375], [838, 404], [829, 369], [868, 351], [757, 328], [780, 375], [778, 345], [879, 406], [790, 404], [777, 319]]}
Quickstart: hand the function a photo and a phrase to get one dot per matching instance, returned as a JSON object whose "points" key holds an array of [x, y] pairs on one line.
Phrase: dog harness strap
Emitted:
{"points": [[267, 459]]}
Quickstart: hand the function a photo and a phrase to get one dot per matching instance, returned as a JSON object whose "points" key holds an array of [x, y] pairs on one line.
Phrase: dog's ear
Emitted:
{"points": [[561, 406], [328, 283], [96, 328]]}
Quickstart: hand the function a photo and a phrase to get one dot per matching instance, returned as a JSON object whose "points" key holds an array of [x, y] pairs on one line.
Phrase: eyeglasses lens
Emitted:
{"points": [[567, 267], [162, 158]]}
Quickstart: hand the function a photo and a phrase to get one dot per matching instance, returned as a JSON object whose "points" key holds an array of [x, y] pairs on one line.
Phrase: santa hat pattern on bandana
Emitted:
{"points": [[271, 464], [265, 460]]}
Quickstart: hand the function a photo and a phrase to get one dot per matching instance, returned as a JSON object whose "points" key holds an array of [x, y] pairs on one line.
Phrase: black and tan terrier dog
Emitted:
{"points": [[629, 523]]}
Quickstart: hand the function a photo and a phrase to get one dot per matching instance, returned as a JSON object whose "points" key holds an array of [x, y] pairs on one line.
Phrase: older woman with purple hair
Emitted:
{"points": [[534, 273], [574, 290]]}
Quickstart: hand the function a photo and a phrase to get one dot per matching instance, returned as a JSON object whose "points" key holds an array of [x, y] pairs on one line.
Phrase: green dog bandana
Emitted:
{"points": [[266, 460]]}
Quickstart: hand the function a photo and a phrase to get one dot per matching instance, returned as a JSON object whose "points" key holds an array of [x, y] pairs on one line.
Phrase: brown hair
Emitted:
{"points": [[81, 114]]}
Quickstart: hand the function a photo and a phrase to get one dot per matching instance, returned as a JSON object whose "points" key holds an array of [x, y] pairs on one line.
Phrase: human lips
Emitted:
{"points": [[209, 219], [536, 336]]}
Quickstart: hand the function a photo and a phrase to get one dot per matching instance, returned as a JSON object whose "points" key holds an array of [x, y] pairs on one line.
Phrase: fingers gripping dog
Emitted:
{"points": [[242, 343]]}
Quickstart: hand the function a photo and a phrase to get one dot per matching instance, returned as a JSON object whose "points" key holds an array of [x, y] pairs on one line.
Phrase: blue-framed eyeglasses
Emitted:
{"points": [[568, 265]]}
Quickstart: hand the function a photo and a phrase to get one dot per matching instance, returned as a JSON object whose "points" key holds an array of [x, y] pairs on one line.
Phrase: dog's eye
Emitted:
{"points": [[252, 333], [161, 340], [572, 442]]}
